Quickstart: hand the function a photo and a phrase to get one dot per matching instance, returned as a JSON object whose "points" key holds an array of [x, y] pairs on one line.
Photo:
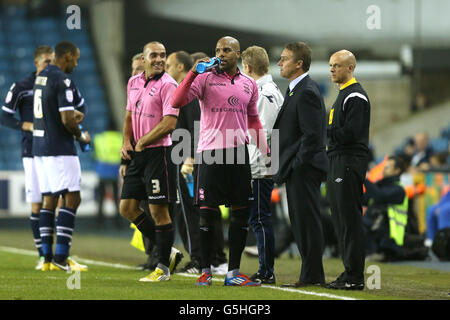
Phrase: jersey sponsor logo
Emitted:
{"points": [[69, 95], [42, 81], [228, 110], [211, 84], [233, 101], [156, 197], [225, 109], [67, 82], [143, 114]]}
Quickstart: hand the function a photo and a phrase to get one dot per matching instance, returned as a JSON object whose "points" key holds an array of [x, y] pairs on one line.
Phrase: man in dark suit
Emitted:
{"points": [[303, 162]]}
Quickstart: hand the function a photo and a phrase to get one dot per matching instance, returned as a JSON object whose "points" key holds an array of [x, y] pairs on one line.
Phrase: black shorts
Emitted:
{"points": [[150, 176], [222, 183]]}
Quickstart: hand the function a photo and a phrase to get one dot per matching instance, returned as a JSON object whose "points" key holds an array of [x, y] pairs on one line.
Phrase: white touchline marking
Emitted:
{"points": [[89, 261], [123, 266], [327, 295]]}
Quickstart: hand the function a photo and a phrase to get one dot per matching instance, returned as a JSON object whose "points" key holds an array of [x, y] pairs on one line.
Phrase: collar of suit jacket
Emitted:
{"points": [[296, 81]]}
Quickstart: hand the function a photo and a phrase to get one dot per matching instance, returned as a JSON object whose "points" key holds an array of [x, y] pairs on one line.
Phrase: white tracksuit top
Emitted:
{"points": [[270, 100]]}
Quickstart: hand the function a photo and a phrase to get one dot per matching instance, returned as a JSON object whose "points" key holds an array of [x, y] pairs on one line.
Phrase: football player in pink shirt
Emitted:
{"points": [[228, 103], [150, 175]]}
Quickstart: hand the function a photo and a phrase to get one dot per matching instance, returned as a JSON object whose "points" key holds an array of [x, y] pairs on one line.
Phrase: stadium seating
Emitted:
{"points": [[18, 39], [438, 144]]}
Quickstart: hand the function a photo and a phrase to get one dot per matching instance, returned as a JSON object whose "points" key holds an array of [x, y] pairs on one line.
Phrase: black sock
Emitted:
{"points": [[164, 236], [237, 236], [145, 225], [207, 236]]}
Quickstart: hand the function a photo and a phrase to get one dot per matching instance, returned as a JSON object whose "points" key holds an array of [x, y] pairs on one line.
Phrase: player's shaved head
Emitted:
{"points": [[228, 50], [345, 57], [230, 41], [342, 65], [151, 45], [154, 58]]}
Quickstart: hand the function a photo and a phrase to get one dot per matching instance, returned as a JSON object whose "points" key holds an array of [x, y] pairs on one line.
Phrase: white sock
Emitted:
{"points": [[232, 273]]}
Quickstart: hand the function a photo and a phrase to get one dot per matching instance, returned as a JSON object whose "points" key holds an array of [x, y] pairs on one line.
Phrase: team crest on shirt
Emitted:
{"points": [[69, 95], [67, 82]]}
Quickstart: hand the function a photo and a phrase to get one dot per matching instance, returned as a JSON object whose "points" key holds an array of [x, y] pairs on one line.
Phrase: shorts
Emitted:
{"points": [[58, 174], [32, 190], [223, 183], [150, 176]]}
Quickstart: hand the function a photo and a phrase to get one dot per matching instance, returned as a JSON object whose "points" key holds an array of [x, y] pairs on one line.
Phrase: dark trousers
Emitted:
{"points": [[344, 191], [303, 196], [261, 222], [187, 218]]}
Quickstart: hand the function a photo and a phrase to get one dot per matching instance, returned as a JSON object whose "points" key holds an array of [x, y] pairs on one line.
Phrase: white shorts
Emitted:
{"points": [[32, 190], [58, 174]]}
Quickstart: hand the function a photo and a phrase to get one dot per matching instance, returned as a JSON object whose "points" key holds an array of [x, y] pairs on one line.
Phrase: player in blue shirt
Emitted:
{"points": [[58, 166], [20, 100]]}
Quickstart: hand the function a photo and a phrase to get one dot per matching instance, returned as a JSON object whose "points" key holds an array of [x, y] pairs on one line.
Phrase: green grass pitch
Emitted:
{"points": [[116, 278]]}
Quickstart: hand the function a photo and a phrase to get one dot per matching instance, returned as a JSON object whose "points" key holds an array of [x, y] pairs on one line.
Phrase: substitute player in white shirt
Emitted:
{"points": [[255, 62]]}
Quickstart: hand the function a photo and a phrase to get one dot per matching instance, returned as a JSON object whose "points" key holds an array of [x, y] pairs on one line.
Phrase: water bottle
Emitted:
{"points": [[190, 184], [205, 66], [85, 147]]}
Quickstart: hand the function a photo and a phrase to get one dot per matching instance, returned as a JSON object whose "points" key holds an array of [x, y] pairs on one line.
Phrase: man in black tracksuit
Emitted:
{"points": [[348, 140]]}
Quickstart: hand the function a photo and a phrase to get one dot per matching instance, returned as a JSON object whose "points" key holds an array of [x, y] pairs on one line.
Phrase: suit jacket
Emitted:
{"points": [[302, 130]]}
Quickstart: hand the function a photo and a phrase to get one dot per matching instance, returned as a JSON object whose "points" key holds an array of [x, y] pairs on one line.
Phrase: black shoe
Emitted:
{"points": [[193, 267], [344, 285], [152, 262], [257, 277], [146, 266]]}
